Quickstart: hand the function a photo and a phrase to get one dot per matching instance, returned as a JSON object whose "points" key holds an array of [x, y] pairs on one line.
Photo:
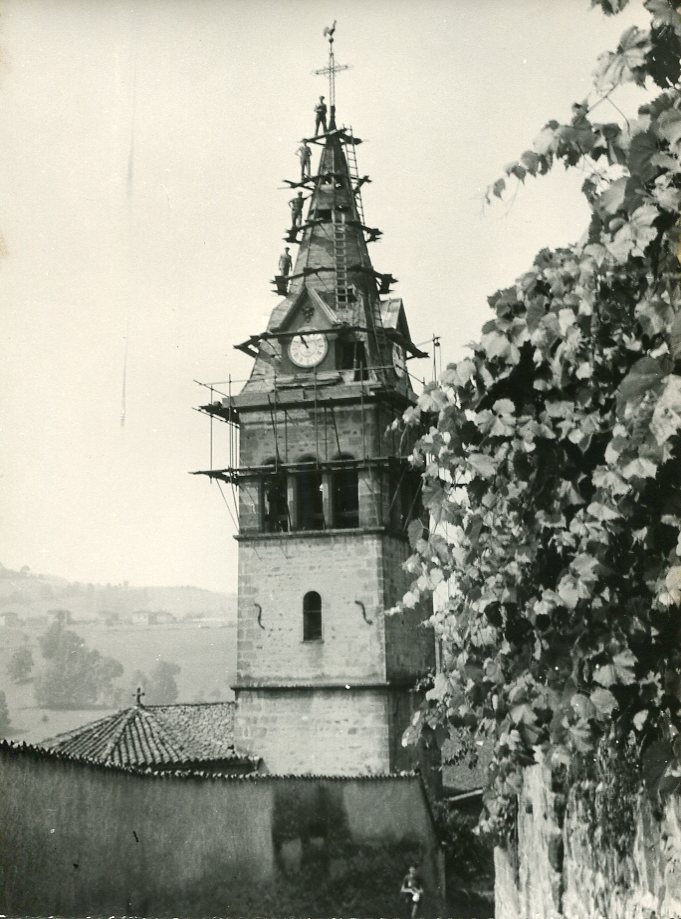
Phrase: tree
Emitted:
{"points": [[74, 675], [4, 714], [550, 462], [162, 687], [20, 664]]}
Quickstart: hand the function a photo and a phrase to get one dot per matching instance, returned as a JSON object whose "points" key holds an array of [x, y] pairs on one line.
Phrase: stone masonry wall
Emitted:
{"points": [[319, 431], [409, 646], [346, 570], [320, 731], [560, 872], [83, 840], [276, 573]]}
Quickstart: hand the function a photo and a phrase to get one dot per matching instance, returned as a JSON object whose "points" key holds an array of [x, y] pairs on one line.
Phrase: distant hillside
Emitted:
{"points": [[29, 594]]}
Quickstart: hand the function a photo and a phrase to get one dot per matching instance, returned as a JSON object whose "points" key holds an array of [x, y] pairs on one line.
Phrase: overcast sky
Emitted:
{"points": [[143, 150]]}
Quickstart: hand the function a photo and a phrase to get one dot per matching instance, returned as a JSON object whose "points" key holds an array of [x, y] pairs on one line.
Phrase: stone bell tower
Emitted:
{"points": [[325, 678]]}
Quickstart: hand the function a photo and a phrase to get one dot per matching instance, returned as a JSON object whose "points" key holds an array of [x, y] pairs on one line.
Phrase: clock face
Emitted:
{"points": [[308, 348], [399, 362]]}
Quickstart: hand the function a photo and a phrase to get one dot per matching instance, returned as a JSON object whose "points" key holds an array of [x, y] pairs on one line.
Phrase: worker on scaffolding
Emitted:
{"points": [[320, 116], [296, 205], [285, 263], [305, 156]]}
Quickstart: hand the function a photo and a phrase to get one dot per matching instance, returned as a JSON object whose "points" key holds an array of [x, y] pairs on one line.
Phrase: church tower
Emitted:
{"points": [[325, 677]]}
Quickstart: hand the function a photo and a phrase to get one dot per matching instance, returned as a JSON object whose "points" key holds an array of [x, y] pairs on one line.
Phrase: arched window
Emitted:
{"points": [[310, 502], [275, 514], [345, 495], [312, 616]]}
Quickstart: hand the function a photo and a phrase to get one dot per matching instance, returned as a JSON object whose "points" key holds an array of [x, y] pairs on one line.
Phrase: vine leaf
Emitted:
{"points": [[621, 670], [634, 237], [675, 337], [612, 199], [610, 7], [625, 64], [646, 374], [670, 127], [640, 719], [654, 315], [643, 149], [414, 532], [666, 421], [482, 464], [603, 701], [664, 14]]}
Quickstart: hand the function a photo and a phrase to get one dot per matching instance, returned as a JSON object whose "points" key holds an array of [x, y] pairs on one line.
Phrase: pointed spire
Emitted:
{"points": [[332, 273], [333, 257]]}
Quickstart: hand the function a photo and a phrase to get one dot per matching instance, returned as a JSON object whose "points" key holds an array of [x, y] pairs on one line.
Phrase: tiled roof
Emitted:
{"points": [[155, 735], [40, 752]]}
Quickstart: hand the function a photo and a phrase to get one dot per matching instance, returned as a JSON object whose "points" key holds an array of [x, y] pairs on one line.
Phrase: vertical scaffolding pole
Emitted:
{"points": [[285, 435], [364, 438], [211, 431], [314, 418], [231, 432]]}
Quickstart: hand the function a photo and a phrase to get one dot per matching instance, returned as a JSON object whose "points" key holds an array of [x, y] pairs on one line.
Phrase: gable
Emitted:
{"points": [[307, 309]]}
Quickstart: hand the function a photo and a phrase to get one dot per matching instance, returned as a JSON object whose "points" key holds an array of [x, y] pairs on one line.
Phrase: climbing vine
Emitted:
{"points": [[552, 454]]}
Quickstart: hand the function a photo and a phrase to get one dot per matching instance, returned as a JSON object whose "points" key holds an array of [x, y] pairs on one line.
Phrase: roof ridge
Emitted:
{"points": [[118, 733], [63, 735], [189, 704], [175, 742]]}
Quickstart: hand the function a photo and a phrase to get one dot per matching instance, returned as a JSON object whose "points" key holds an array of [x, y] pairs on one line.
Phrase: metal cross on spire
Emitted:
{"points": [[332, 68]]}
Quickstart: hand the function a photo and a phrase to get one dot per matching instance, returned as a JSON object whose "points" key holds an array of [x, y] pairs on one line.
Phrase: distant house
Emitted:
{"points": [[9, 619], [192, 737], [144, 617]]}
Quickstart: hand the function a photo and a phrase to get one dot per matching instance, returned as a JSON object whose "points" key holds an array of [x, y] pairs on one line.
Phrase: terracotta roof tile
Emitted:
{"points": [[155, 735]]}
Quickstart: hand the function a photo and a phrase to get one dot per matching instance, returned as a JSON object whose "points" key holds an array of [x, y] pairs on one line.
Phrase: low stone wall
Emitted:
{"points": [[558, 869], [79, 839]]}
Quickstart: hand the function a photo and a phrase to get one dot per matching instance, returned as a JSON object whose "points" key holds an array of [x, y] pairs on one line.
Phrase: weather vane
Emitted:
{"points": [[332, 68]]}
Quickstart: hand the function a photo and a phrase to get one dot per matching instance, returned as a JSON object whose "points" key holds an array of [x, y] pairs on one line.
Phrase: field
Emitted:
{"points": [[207, 656]]}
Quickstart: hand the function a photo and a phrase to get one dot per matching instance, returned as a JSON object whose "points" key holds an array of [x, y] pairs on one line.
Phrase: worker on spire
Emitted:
{"points": [[296, 205], [285, 263], [320, 116], [305, 156]]}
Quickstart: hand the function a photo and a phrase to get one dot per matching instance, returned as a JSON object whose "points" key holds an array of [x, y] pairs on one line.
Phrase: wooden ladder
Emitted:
{"points": [[354, 173], [341, 258]]}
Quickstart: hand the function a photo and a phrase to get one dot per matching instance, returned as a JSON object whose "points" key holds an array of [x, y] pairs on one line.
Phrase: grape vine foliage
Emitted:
{"points": [[551, 459]]}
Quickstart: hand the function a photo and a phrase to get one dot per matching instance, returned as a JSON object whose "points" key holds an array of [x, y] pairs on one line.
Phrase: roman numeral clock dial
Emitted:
{"points": [[308, 348]]}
